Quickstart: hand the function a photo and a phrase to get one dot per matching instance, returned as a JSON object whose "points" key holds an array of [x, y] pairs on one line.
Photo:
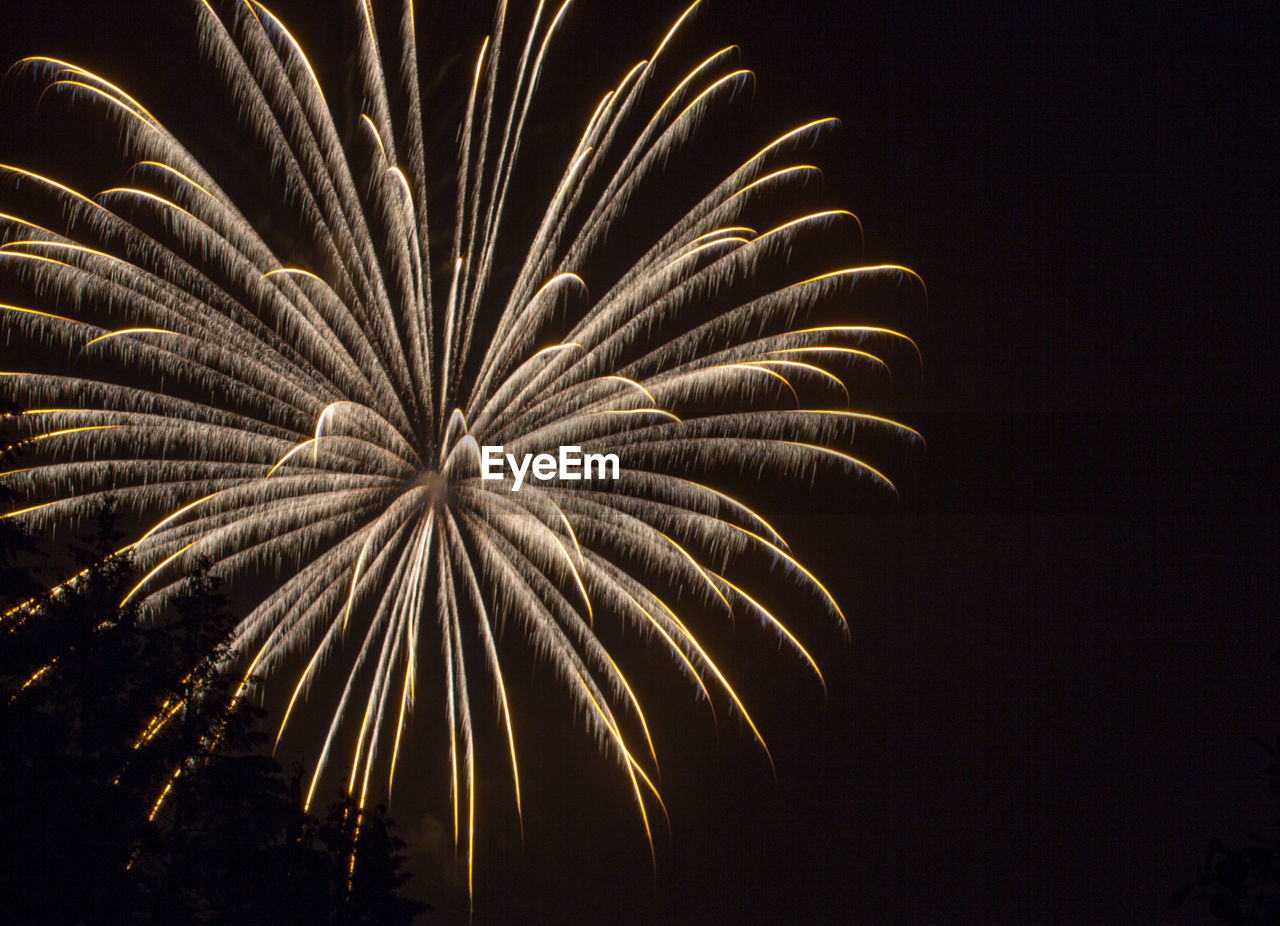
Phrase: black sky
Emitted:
{"points": [[1062, 635]]}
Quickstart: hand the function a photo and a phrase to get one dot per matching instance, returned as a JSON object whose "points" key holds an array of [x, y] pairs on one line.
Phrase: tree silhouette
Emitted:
{"points": [[17, 584], [1241, 884], [370, 866], [66, 734], [103, 714]]}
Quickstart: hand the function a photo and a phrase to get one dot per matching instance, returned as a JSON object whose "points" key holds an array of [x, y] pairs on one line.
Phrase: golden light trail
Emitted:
{"points": [[56, 590], [724, 682], [173, 171], [164, 794], [404, 183], [864, 416], [698, 567], [577, 578], [739, 75], [59, 245], [175, 515], [26, 223], [807, 574], [76, 69], [832, 349], [292, 271], [638, 411], [355, 580], [753, 368], [635, 703], [556, 347], [280, 462], [632, 766], [293, 43], [865, 467], [750, 512], [803, 366], [731, 231], [115, 334], [694, 251], [778, 174], [693, 76], [468, 571], [877, 268], [861, 330], [781, 140], [377, 136], [144, 121], [53, 183], [164, 562], [673, 646], [420, 346], [22, 511], [46, 436], [568, 527], [675, 27], [146, 194], [39, 674], [777, 625], [22, 255], [405, 693]]}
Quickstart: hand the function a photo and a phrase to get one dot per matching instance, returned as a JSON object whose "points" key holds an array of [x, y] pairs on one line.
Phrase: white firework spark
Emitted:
{"points": [[330, 419]]}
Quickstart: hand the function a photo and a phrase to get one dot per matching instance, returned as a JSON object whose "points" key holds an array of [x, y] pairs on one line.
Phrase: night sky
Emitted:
{"points": [[1062, 633]]}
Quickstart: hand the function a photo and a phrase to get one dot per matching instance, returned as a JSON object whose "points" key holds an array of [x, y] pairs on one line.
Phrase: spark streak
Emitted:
{"points": [[396, 550]]}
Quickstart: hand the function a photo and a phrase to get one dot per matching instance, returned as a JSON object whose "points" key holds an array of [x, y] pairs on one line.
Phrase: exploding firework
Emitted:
{"points": [[336, 419]]}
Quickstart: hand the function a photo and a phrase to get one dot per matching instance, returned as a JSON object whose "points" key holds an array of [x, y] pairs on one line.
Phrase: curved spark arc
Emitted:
{"points": [[327, 418]]}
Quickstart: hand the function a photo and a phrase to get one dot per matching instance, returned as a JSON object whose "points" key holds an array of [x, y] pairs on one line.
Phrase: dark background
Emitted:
{"points": [[1062, 635]]}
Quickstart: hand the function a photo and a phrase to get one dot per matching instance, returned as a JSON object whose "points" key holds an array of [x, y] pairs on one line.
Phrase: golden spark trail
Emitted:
{"points": [[186, 350]]}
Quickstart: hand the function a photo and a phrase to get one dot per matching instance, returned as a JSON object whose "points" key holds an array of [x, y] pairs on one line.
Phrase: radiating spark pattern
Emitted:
{"points": [[325, 421]]}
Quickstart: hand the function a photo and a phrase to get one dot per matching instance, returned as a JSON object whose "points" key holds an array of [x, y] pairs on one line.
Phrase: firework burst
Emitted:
{"points": [[331, 421]]}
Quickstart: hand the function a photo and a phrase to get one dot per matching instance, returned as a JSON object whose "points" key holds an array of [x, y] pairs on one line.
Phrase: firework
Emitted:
{"points": [[340, 422]]}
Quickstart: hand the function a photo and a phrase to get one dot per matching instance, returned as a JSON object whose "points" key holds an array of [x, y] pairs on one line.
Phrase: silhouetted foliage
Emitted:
{"points": [[1241, 884], [66, 734], [17, 584], [371, 860], [103, 714]]}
